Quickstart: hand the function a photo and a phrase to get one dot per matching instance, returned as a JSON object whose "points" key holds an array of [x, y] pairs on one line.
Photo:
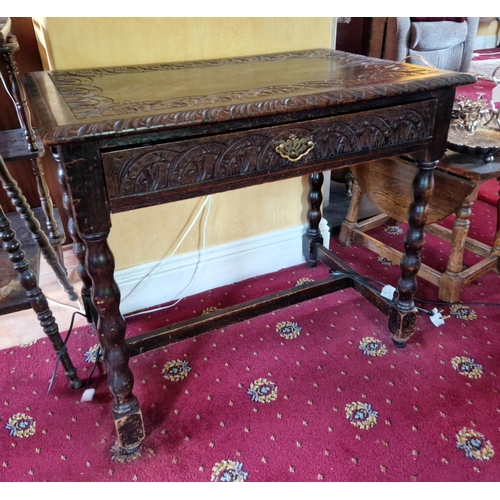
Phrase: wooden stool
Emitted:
{"points": [[457, 180]]}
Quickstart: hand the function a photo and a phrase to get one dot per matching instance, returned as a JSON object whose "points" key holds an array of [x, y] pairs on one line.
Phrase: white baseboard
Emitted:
{"points": [[485, 42], [222, 265]]}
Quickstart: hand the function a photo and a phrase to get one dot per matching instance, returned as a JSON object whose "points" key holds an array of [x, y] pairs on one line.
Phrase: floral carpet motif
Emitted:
{"points": [[314, 392]]}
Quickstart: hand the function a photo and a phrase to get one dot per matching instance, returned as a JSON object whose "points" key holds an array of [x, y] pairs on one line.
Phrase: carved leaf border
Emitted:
{"points": [[172, 165], [84, 97]]}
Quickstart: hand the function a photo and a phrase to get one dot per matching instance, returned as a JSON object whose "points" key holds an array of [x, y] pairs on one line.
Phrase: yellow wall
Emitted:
{"points": [[149, 234]]}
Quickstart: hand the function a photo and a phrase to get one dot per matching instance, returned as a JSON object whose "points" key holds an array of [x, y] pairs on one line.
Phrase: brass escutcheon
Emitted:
{"points": [[293, 149]]}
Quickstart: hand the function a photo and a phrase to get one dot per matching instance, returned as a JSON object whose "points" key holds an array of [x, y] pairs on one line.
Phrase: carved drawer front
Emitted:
{"points": [[184, 164]]}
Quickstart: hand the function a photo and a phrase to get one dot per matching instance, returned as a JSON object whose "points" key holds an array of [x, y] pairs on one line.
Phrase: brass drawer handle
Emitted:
{"points": [[293, 149]]}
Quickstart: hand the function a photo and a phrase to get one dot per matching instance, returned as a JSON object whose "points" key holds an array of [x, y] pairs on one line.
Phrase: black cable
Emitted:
{"points": [[441, 303], [61, 351], [363, 280]]}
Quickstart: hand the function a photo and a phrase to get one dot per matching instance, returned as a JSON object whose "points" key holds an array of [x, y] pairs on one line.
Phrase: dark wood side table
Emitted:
{"points": [[129, 137]]}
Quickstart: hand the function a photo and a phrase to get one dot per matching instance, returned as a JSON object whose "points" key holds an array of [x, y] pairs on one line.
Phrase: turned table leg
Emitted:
{"points": [[111, 327], [78, 245], [313, 234], [86, 202], [403, 316], [38, 301]]}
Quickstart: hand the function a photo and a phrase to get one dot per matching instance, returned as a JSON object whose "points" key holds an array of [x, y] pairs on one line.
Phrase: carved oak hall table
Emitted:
{"points": [[130, 137]]}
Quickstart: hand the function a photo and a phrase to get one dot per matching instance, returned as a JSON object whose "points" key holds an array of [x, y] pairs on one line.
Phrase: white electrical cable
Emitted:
{"points": [[7, 89], [80, 308], [200, 263], [162, 262]]}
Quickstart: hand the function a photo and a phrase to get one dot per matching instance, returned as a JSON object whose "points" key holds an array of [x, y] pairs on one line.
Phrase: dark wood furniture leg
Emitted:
{"points": [[313, 234], [352, 216], [403, 316], [38, 301], [111, 326], [84, 176], [450, 286], [78, 245], [18, 95], [19, 201]]}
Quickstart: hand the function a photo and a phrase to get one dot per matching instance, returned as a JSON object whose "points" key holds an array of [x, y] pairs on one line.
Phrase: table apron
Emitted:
{"points": [[141, 175]]}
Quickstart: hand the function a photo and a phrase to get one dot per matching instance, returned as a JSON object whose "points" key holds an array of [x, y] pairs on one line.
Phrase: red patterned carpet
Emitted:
{"points": [[488, 191], [315, 392], [485, 62]]}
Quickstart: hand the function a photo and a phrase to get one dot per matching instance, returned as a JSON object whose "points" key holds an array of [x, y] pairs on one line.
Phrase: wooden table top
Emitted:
{"points": [[92, 103], [468, 166]]}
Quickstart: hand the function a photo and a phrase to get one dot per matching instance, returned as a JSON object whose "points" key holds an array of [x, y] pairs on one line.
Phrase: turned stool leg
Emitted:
{"points": [[349, 182], [450, 286], [351, 220], [37, 299]]}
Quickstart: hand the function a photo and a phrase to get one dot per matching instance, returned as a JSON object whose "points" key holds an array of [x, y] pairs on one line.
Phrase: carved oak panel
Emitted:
{"points": [[172, 166]]}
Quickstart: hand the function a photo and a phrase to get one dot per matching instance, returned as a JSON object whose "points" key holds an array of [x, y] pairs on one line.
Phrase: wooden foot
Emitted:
{"points": [[402, 325], [129, 428], [399, 345]]}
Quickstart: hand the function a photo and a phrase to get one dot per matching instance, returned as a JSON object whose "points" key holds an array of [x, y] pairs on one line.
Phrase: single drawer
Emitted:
{"points": [[196, 165]]}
